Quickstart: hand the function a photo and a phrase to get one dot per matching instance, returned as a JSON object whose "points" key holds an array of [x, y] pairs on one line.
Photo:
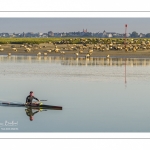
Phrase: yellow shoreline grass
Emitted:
{"points": [[72, 40]]}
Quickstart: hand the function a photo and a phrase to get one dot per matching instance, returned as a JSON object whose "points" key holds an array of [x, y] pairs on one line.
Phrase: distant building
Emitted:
{"points": [[29, 34], [23, 34], [57, 34], [50, 33], [40, 34], [4, 34], [97, 34], [11, 35], [141, 35], [88, 34], [63, 34], [16, 35], [108, 34], [85, 31], [44, 35]]}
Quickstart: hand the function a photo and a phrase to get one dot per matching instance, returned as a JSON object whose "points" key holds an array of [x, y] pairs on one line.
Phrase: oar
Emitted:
{"points": [[44, 110], [43, 100]]}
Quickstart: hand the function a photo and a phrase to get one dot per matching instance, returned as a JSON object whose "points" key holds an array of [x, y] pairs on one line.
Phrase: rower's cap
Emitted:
{"points": [[31, 91]]}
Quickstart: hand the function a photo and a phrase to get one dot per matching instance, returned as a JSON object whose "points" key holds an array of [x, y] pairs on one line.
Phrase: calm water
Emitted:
{"points": [[97, 94]]}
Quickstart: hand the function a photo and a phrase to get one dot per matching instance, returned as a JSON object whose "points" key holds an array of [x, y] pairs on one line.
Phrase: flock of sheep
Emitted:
{"points": [[86, 46]]}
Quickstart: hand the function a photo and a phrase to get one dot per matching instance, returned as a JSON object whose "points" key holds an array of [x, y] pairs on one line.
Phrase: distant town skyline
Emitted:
{"points": [[18, 25]]}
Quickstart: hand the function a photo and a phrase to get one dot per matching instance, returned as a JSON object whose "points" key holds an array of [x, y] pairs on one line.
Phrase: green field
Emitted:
{"points": [[71, 40], [27, 40]]}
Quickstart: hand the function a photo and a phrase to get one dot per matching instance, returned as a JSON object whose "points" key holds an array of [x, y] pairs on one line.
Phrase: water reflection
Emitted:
{"points": [[106, 62], [125, 72], [77, 84], [81, 61], [30, 112]]}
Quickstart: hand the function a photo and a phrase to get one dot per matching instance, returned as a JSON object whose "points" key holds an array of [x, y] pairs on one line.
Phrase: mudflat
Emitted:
{"points": [[46, 49]]}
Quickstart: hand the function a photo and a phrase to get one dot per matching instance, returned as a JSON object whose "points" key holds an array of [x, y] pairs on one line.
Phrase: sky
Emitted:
{"points": [[19, 25]]}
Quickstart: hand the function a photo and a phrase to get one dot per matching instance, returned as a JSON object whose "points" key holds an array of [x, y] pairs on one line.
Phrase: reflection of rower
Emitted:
{"points": [[30, 113]]}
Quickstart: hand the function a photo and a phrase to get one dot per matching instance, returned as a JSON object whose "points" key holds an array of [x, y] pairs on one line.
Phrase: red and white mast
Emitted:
{"points": [[125, 35]]}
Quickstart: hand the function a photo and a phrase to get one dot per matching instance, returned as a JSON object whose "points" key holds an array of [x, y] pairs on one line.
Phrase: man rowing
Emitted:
{"points": [[29, 99]]}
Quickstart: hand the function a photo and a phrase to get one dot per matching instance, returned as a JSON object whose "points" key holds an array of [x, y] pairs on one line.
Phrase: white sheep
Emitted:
{"points": [[77, 54], [9, 54], [107, 56], [1, 49], [45, 54], [15, 49], [57, 50], [49, 51], [39, 54], [62, 52], [87, 55]]}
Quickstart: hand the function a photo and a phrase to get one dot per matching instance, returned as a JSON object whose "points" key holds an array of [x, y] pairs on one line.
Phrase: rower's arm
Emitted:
{"points": [[35, 112], [36, 98]]}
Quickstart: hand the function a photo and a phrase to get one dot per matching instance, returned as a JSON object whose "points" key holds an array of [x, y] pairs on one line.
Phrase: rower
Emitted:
{"points": [[30, 98]]}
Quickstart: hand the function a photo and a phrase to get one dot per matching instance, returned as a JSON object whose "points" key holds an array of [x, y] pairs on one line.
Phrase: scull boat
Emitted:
{"points": [[40, 105]]}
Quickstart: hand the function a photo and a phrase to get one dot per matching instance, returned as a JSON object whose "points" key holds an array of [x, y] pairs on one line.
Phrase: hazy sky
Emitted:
{"points": [[18, 25]]}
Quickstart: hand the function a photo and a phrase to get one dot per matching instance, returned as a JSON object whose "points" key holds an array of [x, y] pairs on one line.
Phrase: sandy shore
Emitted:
{"points": [[7, 48]]}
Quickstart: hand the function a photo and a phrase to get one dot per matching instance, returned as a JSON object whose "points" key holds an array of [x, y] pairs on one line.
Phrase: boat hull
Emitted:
{"points": [[35, 106]]}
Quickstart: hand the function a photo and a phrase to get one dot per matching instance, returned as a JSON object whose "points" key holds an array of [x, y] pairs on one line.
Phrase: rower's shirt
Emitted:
{"points": [[30, 98]]}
